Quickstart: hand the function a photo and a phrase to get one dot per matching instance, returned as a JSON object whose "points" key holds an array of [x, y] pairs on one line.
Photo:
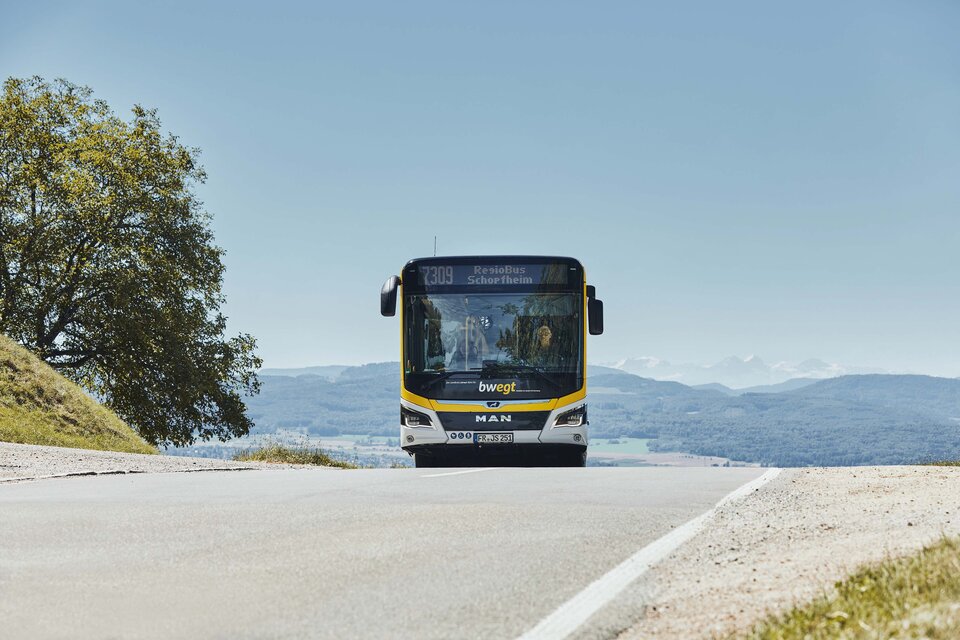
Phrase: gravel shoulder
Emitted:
{"points": [[22, 462], [790, 541]]}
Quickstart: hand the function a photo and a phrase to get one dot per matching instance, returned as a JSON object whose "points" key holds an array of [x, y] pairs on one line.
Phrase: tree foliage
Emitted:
{"points": [[108, 266]]}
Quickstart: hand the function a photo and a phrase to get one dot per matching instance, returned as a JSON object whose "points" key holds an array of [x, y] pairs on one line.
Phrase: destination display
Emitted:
{"points": [[492, 275]]}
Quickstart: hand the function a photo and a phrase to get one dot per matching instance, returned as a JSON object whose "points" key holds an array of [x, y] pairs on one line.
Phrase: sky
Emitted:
{"points": [[737, 178]]}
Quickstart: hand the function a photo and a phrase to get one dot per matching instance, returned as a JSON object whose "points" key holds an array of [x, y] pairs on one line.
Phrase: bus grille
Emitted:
{"points": [[493, 421]]}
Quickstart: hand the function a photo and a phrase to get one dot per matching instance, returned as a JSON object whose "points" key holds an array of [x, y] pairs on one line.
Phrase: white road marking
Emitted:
{"points": [[578, 609], [456, 473]]}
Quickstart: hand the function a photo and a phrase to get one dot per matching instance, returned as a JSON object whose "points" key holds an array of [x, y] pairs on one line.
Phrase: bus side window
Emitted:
{"points": [[433, 347]]}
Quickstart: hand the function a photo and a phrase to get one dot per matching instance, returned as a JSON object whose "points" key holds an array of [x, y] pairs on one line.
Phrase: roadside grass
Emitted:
{"points": [[292, 455], [40, 406], [916, 596]]}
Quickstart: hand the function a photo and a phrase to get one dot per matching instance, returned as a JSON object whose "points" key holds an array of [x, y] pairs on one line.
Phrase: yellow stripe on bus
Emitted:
{"points": [[546, 405]]}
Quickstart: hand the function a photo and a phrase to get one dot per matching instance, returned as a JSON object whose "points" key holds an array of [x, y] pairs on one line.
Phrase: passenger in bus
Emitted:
{"points": [[470, 345]]}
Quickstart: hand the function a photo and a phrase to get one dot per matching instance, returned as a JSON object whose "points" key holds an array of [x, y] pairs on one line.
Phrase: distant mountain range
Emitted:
{"points": [[847, 420], [731, 375], [330, 372], [736, 373], [789, 385]]}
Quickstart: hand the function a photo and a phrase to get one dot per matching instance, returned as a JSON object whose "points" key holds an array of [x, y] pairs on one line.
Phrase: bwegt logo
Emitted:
{"points": [[504, 388]]}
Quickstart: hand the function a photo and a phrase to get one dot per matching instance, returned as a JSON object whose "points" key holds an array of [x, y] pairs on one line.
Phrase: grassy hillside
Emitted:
{"points": [[280, 454], [40, 406]]}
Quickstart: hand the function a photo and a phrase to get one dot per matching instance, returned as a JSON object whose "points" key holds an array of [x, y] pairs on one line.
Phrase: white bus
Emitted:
{"points": [[493, 358]]}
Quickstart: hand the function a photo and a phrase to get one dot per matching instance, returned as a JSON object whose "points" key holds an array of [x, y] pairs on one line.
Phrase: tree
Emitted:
{"points": [[108, 267]]}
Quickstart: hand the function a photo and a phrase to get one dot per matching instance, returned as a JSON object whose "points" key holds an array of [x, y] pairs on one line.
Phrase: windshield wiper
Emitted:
{"points": [[440, 378], [501, 367]]}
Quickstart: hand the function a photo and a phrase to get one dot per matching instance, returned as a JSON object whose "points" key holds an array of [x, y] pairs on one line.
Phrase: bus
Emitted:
{"points": [[493, 358]]}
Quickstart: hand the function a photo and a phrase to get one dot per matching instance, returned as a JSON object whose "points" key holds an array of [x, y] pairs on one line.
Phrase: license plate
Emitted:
{"points": [[492, 438]]}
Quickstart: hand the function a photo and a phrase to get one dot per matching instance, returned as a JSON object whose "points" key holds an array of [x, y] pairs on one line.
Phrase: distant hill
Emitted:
{"points": [[596, 370], [872, 419], [650, 389], [736, 373], [374, 370], [716, 386], [40, 406], [789, 385], [939, 397], [851, 420], [784, 430], [335, 372], [328, 371], [362, 400]]}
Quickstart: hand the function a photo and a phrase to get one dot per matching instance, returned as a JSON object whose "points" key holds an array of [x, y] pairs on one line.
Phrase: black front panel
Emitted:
{"points": [[499, 421], [471, 386]]}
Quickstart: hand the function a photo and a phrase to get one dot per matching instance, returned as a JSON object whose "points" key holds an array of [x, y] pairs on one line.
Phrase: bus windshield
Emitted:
{"points": [[502, 335]]}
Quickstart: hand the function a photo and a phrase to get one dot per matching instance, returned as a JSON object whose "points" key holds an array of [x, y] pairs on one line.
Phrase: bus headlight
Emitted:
{"points": [[573, 418], [411, 418]]}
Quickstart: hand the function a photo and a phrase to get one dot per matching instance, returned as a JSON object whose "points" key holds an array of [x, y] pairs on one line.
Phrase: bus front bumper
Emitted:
{"points": [[434, 438], [412, 438]]}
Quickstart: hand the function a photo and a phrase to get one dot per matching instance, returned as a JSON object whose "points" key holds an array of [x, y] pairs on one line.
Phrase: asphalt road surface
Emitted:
{"points": [[329, 554]]}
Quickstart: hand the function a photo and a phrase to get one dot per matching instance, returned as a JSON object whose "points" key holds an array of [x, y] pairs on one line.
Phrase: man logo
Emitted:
{"points": [[493, 405], [494, 417]]}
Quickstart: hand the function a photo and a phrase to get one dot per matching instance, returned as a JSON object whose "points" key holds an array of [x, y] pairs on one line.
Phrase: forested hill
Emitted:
{"points": [[931, 396], [851, 420]]}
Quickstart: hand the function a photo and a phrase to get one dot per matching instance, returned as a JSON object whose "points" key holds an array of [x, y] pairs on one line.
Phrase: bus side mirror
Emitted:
{"points": [[595, 316], [388, 296]]}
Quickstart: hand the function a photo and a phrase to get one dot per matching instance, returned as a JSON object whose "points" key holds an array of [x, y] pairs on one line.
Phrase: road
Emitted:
{"points": [[329, 554]]}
